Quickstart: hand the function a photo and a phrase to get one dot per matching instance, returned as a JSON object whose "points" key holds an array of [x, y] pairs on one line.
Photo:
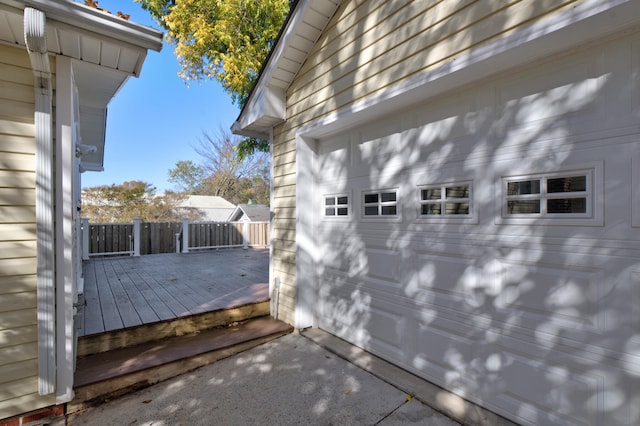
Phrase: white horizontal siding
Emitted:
{"points": [[18, 304]]}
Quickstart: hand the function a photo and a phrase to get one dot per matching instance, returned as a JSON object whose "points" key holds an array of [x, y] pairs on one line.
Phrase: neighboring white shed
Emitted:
{"points": [[250, 213], [456, 189], [215, 209]]}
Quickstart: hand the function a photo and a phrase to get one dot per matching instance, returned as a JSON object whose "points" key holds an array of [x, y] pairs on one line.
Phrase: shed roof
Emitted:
{"points": [[254, 212], [207, 201]]}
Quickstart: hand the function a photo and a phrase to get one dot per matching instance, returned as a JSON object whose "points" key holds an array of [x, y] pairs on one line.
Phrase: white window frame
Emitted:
{"points": [[336, 206], [470, 217], [593, 194], [381, 204]]}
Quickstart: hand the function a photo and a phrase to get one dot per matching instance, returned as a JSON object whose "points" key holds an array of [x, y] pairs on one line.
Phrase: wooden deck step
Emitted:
{"points": [[109, 374], [117, 339]]}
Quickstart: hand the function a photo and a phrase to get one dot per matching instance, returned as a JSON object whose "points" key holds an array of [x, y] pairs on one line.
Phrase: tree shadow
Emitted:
{"points": [[531, 317]]}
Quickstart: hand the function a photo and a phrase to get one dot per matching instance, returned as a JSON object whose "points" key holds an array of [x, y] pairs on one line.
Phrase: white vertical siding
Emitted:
{"points": [[368, 47], [18, 308]]}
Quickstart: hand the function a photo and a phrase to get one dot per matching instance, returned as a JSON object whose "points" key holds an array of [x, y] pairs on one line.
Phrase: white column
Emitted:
{"points": [[85, 239], [65, 206], [136, 236], [245, 234], [185, 235]]}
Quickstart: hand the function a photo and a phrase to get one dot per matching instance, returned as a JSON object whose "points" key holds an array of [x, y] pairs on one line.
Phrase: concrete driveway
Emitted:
{"points": [[289, 381]]}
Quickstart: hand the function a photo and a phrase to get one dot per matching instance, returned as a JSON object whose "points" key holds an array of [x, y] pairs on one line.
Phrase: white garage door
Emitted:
{"points": [[489, 241]]}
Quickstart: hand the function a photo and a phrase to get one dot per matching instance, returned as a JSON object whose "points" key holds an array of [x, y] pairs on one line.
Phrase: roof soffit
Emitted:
{"points": [[106, 50], [83, 33]]}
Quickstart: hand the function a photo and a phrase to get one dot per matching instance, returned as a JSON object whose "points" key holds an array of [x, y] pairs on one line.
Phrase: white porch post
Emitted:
{"points": [[245, 234], [85, 239], [65, 226], [136, 236], [185, 235]]}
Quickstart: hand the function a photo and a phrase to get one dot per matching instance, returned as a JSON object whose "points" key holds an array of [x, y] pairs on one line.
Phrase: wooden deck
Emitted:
{"points": [[126, 292]]}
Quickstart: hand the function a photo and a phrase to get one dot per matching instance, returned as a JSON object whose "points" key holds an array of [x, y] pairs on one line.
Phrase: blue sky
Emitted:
{"points": [[155, 120]]}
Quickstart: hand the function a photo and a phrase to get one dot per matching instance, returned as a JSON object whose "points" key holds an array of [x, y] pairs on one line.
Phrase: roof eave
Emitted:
{"points": [[266, 106], [90, 23], [96, 21]]}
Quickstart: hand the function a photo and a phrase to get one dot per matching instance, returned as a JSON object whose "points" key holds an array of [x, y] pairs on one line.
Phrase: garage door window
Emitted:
{"points": [[336, 205], [380, 203], [445, 200], [556, 195]]}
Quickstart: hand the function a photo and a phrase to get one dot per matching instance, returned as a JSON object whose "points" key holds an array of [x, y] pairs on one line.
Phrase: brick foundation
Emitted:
{"points": [[35, 418]]}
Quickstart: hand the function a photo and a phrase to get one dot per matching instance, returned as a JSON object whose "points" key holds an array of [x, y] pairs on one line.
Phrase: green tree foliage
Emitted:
{"points": [[223, 39], [122, 203], [188, 177], [227, 40], [223, 173]]}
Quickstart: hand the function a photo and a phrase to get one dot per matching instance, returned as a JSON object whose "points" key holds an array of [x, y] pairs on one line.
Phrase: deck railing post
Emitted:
{"points": [[245, 235], [136, 236], [185, 235], [85, 238]]}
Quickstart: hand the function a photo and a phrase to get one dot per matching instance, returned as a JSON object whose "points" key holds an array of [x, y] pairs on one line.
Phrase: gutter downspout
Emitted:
{"points": [[35, 39]]}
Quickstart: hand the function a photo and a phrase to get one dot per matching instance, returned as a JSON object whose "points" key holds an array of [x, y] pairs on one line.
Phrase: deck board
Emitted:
{"points": [[110, 314], [153, 300], [141, 305], [124, 292], [121, 297], [172, 300], [93, 322]]}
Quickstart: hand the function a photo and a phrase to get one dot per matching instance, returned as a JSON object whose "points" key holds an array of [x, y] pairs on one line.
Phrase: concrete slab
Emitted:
{"points": [[416, 413], [288, 381]]}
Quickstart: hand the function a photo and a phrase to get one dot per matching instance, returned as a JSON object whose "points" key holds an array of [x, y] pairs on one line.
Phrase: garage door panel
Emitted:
{"points": [[534, 390], [379, 272], [383, 265], [345, 311], [443, 358], [352, 311], [566, 297], [533, 314], [553, 380], [451, 275], [390, 325]]}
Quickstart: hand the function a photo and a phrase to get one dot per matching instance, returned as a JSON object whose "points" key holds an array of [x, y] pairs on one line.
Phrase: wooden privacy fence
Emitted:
{"points": [[138, 238]]}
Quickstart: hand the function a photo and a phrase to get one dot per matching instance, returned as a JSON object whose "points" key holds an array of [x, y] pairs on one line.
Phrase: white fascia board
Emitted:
{"points": [[91, 167], [95, 21], [266, 106], [590, 22]]}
